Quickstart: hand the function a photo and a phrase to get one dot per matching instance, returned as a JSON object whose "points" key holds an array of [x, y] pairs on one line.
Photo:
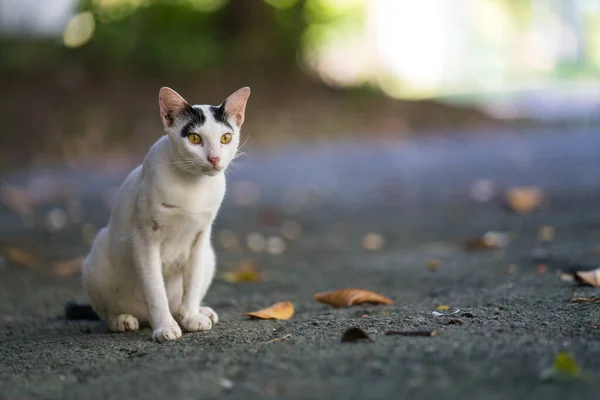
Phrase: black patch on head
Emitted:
{"points": [[195, 117], [220, 115]]}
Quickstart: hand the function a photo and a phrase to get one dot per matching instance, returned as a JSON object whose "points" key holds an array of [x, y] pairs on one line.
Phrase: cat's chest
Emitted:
{"points": [[180, 215]]}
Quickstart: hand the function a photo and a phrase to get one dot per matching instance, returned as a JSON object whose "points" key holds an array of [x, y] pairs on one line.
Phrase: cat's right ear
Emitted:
{"points": [[171, 105]]}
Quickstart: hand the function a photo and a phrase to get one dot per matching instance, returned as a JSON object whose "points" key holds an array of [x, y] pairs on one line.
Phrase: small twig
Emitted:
{"points": [[289, 335], [586, 300], [412, 333]]}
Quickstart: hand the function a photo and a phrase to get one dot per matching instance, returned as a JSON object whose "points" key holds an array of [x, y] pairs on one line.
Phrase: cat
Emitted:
{"points": [[154, 261]]}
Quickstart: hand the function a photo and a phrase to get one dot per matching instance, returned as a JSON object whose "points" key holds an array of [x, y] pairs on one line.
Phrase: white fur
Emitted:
{"points": [[154, 260]]}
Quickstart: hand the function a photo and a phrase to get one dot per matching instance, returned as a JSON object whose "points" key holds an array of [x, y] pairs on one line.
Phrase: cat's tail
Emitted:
{"points": [[76, 311]]}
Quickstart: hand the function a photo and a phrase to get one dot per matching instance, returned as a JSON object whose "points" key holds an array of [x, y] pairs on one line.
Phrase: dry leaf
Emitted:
{"points": [[20, 257], [523, 200], [443, 308], [68, 268], [541, 269], [491, 240], [566, 277], [349, 297], [281, 310], [355, 334], [268, 216], [546, 233], [433, 264], [247, 271], [372, 241], [16, 199], [512, 268], [412, 333], [591, 278], [564, 367]]}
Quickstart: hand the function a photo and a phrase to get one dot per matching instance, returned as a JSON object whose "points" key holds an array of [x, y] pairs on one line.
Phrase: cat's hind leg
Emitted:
{"points": [[123, 323]]}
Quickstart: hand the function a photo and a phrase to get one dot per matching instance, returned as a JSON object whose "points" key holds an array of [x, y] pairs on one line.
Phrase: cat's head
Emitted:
{"points": [[204, 138]]}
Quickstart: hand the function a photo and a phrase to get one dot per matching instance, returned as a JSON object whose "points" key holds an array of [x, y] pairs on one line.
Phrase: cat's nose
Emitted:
{"points": [[214, 160]]}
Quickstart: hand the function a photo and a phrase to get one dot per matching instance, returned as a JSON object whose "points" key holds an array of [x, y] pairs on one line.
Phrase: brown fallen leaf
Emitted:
{"points": [[349, 297], [525, 199], [546, 233], [566, 277], [69, 267], [16, 199], [373, 241], [541, 268], [591, 278], [281, 310], [20, 257], [433, 264], [491, 240], [355, 334], [412, 333], [247, 271]]}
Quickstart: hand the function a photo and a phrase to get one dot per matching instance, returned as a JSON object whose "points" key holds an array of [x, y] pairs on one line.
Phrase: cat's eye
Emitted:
{"points": [[194, 138], [226, 138]]}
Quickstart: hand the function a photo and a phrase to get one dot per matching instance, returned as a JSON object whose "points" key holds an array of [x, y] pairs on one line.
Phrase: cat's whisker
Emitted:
{"points": [[245, 141]]}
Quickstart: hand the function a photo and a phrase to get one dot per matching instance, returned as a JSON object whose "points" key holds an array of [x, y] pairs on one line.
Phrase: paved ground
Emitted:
{"points": [[519, 320]]}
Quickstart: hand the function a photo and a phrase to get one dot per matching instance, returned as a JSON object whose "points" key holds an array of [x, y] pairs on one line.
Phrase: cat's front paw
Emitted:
{"points": [[196, 322], [170, 331], [210, 313]]}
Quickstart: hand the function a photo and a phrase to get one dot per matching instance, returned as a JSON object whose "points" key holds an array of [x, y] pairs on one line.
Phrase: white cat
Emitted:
{"points": [[154, 260]]}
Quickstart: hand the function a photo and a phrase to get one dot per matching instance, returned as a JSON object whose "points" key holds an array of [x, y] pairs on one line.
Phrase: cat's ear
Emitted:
{"points": [[235, 105], [171, 105]]}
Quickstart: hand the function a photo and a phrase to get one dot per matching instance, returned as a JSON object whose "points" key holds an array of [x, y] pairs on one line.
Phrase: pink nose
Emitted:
{"points": [[214, 160]]}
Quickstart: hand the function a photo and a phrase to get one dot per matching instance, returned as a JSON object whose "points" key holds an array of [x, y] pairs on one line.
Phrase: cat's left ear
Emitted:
{"points": [[235, 105], [171, 105]]}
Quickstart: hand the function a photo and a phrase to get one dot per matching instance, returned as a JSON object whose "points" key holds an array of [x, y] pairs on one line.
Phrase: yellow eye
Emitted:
{"points": [[194, 138], [226, 138]]}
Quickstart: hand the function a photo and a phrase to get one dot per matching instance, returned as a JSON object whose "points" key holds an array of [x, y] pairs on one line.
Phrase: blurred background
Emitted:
{"points": [[355, 103]]}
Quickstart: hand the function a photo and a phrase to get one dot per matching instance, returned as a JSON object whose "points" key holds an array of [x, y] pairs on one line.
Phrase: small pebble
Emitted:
{"points": [[372, 241], [275, 245], [495, 239], [56, 219], [228, 240], [256, 242], [226, 384], [291, 230], [482, 190]]}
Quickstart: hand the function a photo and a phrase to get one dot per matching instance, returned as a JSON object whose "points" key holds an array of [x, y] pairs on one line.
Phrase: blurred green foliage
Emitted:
{"points": [[173, 35]]}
